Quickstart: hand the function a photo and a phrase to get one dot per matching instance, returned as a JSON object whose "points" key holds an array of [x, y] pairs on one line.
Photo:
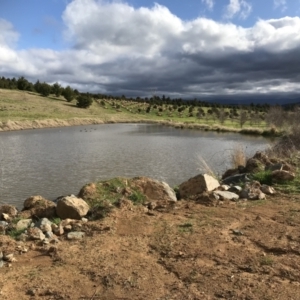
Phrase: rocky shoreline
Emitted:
{"points": [[44, 223]]}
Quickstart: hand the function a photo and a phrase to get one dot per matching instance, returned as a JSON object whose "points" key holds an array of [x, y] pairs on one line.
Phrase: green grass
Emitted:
{"points": [[137, 197], [264, 177], [23, 106], [186, 227], [289, 187], [266, 261], [14, 233]]}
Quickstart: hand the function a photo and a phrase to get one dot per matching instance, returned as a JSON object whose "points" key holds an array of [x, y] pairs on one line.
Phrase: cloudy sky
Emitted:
{"points": [[209, 49]]}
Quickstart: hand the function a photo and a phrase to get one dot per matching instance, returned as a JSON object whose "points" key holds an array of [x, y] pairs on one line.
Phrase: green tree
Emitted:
{"points": [[45, 89], [22, 83], [56, 89], [84, 101], [68, 93]]}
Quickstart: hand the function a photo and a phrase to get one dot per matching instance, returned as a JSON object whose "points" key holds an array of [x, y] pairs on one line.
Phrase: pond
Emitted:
{"points": [[59, 161]]}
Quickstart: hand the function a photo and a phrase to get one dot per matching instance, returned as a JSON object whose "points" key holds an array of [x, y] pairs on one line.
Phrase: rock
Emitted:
{"points": [[254, 165], [268, 190], [208, 199], [256, 195], [230, 172], [59, 230], [262, 157], [197, 185], [235, 189], [154, 190], [3, 223], [224, 187], [282, 175], [227, 195], [35, 234], [9, 210], [37, 206], [23, 224], [71, 207], [6, 217], [2, 229], [274, 167], [44, 224], [75, 235], [88, 191], [244, 194], [1, 263], [236, 179], [68, 227]]}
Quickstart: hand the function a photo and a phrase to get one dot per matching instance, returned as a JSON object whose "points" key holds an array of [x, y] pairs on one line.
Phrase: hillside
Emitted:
{"points": [[26, 110]]}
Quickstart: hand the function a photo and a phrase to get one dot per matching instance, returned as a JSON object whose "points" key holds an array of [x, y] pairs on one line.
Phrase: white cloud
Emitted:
{"points": [[8, 35], [237, 8], [120, 49], [209, 3], [280, 4]]}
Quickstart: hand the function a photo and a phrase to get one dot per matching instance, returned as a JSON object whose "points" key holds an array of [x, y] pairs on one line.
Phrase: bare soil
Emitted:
{"points": [[246, 250]]}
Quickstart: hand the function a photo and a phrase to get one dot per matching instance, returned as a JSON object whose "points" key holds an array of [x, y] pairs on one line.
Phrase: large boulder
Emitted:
{"points": [[37, 206], [197, 185], [154, 190], [71, 207], [282, 175]]}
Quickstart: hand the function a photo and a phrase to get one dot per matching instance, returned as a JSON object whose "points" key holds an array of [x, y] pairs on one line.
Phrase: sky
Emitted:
{"points": [[207, 49]]}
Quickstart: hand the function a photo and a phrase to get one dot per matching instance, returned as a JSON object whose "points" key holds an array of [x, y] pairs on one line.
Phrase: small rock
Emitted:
{"points": [[1, 263], [23, 224], [267, 189], [84, 220], [35, 234], [224, 187], [236, 179], [45, 225], [59, 231], [6, 217], [227, 195], [3, 223], [68, 228], [75, 235], [237, 232], [31, 292], [48, 234], [235, 189]]}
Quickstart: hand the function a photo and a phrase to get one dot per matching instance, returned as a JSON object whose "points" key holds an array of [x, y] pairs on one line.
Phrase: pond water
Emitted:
{"points": [[59, 161]]}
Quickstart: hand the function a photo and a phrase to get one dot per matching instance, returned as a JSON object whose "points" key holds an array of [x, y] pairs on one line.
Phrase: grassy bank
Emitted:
{"points": [[26, 110]]}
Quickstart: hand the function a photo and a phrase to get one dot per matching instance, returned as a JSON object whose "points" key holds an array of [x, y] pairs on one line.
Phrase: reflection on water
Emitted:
{"points": [[59, 161]]}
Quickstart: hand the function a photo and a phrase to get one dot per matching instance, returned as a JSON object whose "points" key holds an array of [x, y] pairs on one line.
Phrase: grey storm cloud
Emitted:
{"points": [[117, 49]]}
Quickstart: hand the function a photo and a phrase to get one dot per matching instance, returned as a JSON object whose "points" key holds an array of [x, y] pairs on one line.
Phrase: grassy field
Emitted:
{"points": [[24, 110]]}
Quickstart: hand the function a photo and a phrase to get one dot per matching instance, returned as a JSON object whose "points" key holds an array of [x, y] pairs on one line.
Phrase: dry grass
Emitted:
{"points": [[238, 156], [204, 167]]}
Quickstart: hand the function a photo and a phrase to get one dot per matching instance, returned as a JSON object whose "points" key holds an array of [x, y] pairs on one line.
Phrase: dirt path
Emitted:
{"points": [[235, 251]]}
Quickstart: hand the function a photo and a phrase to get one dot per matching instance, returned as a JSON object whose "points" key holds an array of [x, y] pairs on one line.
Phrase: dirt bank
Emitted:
{"points": [[248, 250]]}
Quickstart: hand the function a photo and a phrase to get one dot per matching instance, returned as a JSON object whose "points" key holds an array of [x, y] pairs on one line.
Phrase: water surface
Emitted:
{"points": [[59, 161]]}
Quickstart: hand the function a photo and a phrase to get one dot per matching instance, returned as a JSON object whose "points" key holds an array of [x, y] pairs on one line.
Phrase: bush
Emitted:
{"points": [[84, 101]]}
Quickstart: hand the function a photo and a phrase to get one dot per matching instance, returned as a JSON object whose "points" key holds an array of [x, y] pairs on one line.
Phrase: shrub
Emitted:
{"points": [[238, 156], [84, 101]]}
